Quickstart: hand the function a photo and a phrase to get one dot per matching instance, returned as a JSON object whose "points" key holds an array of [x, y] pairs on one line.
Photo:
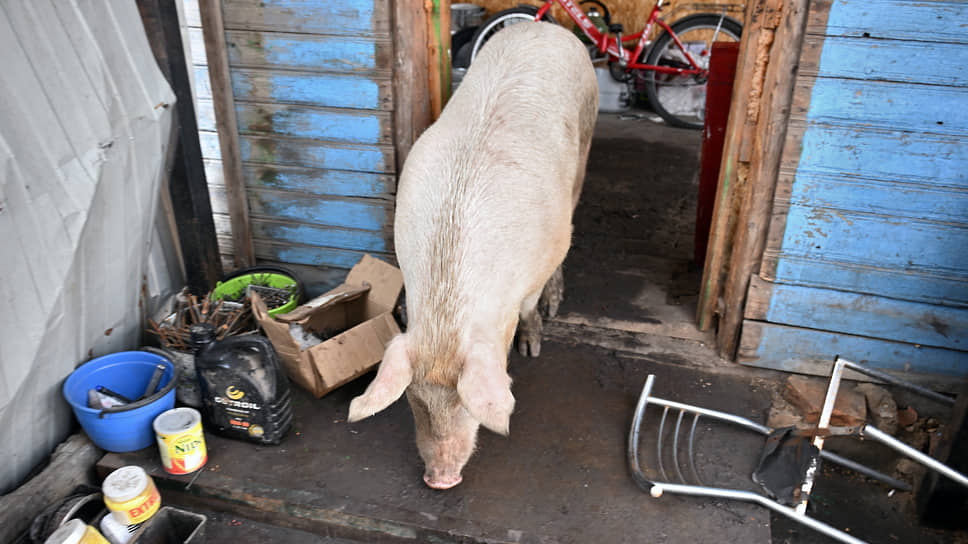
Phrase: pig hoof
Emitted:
{"points": [[442, 483], [529, 346]]}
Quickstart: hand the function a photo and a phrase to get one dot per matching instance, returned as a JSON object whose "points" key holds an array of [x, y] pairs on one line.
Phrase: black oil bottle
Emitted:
{"points": [[245, 392]]}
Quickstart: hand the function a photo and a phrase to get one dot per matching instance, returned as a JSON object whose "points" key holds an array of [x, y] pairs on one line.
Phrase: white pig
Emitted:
{"points": [[483, 222]]}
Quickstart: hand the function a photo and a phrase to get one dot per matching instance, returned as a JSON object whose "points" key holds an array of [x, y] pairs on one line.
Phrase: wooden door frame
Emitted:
{"points": [[755, 135]]}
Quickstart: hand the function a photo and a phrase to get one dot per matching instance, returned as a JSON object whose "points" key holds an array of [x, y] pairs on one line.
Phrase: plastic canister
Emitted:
{"points": [[76, 531], [130, 494], [180, 440]]}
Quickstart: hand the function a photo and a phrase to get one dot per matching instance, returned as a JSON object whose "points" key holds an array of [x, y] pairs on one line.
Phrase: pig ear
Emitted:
{"points": [[392, 379], [485, 388]]}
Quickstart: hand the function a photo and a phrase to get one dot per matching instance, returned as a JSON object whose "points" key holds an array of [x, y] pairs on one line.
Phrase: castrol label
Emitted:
{"points": [[130, 494], [180, 440]]}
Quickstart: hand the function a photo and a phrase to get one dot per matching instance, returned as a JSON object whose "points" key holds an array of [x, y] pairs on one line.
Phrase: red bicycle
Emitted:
{"points": [[673, 69]]}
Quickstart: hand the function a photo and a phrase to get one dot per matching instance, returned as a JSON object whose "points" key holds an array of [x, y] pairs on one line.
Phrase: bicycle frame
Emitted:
{"points": [[614, 48]]}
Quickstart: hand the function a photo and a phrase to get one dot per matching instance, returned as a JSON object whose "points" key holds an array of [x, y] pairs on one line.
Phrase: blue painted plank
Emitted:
{"points": [[899, 199], [329, 237], [321, 182], [281, 151], [303, 51], [882, 241], [373, 215], [351, 17], [369, 127], [939, 21], [811, 351], [312, 256], [892, 106], [884, 155], [951, 290], [870, 316], [290, 87], [874, 59]]}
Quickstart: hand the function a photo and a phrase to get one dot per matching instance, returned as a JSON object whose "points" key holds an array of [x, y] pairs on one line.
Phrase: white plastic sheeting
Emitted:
{"points": [[85, 119]]}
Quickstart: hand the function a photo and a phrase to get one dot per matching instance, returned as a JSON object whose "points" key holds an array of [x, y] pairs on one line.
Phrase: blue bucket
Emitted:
{"points": [[125, 428]]}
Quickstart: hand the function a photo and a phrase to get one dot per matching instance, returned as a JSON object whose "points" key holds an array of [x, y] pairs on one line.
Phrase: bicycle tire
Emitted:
{"points": [[661, 89], [500, 20]]}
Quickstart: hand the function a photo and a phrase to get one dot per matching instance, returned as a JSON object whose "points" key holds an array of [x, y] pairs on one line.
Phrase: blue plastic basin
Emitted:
{"points": [[127, 373]]}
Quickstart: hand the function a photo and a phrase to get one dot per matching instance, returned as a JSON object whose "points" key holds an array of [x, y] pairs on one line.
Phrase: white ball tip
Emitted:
{"points": [[656, 491]]}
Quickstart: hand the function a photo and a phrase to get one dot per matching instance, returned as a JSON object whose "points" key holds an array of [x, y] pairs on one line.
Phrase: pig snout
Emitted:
{"points": [[446, 434]]}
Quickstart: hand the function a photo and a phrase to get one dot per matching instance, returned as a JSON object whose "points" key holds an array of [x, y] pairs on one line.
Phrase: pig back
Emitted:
{"points": [[486, 195]]}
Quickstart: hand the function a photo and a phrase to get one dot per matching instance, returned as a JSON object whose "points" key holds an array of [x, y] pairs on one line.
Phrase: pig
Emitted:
{"points": [[482, 225]]}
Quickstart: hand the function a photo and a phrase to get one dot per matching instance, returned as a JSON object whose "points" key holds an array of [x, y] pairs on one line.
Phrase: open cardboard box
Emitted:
{"points": [[361, 308]]}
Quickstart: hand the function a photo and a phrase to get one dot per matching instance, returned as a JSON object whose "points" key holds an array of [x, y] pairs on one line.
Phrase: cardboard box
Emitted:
{"points": [[361, 308]]}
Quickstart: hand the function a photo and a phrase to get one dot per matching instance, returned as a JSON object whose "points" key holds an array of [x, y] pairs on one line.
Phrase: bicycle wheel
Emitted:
{"points": [[681, 99], [500, 20]]}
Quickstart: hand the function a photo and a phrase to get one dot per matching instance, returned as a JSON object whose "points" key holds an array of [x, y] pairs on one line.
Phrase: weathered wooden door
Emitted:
{"points": [[867, 254]]}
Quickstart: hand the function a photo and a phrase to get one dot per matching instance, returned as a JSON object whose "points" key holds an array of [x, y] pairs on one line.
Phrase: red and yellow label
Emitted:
{"points": [[138, 509]]}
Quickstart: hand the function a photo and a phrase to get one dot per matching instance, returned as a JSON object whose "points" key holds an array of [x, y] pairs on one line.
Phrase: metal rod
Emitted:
{"points": [[828, 409], [874, 433], [632, 453], [857, 467], [736, 420], [692, 457], [659, 488], [662, 471], [944, 399], [675, 447]]}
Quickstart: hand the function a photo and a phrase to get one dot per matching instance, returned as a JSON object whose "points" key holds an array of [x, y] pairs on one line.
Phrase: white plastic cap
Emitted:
{"points": [[125, 483], [176, 420]]}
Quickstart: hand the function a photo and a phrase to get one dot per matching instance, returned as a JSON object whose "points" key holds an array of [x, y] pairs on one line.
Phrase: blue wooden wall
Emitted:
{"points": [[867, 256], [312, 82]]}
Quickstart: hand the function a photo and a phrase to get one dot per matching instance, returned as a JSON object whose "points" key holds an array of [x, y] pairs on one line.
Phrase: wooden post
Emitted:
{"points": [[187, 184], [228, 129], [757, 202], [411, 110], [733, 167]]}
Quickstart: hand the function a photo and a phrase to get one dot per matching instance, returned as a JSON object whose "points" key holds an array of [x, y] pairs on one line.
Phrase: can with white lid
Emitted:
{"points": [[130, 494], [76, 531], [180, 440]]}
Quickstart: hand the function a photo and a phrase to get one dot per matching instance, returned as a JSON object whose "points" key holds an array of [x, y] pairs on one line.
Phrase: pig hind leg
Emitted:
{"points": [[529, 326], [553, 293]]}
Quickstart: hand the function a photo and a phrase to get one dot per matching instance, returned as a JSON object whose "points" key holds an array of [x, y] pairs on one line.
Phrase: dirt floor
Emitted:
{"points": [[561, 475]]}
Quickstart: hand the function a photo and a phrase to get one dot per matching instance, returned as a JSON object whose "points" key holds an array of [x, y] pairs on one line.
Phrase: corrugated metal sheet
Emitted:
{"points": [[866, 253], [84, 127], [312, 83]]}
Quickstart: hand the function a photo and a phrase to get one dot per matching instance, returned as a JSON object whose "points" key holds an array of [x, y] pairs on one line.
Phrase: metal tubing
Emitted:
{"points": [[874, 433], [692, 457], [869, 472], [825, 413], [748, 496], [736, 420], [898, 382], [675, 447], [659, 444]]}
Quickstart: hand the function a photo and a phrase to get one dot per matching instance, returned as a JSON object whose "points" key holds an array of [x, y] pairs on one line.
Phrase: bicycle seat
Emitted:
{"points": [[616, 28]]}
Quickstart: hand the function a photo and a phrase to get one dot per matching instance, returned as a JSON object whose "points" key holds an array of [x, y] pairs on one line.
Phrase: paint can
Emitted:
{"points": [[76, 531], [180, 440], [130, 494]]}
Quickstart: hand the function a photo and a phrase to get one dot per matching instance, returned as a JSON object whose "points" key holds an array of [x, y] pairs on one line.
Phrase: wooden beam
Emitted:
{"points": [[228, 129], [71, 465], [757, 202], [187, 184], [733, 166], [411, 111]]}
